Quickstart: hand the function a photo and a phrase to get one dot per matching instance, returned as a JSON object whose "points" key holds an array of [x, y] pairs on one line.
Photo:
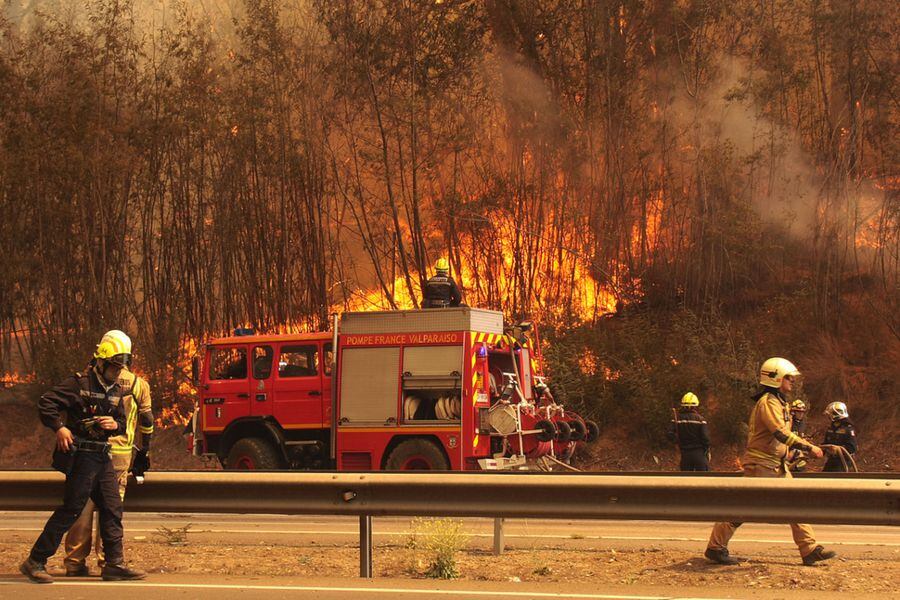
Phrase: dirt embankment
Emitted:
{"points": [[26, 444]]}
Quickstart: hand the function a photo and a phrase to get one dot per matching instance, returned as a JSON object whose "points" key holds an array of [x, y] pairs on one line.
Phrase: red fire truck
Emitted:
{"points": [[437, 389]]}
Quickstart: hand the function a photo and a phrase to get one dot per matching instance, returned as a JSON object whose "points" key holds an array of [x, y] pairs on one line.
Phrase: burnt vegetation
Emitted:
{"points": [[673, 189]]}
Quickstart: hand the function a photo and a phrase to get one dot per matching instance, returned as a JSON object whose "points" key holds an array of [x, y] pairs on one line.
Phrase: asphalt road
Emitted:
{"points": [[879, 543], [519, 533], [226, 588]]}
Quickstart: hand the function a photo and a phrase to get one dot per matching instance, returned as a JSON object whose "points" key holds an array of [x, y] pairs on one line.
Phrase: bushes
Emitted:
{"points": [[642, 363], [441, 540]]}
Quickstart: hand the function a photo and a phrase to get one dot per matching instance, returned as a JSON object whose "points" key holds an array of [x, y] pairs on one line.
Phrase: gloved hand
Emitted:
{"points": [[141, 463]]}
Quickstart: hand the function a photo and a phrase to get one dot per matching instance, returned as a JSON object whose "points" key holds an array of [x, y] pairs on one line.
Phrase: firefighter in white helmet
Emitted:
{"points": [[689, 430], [85, 411], [125, 455], [768, 444], [840, 433]]}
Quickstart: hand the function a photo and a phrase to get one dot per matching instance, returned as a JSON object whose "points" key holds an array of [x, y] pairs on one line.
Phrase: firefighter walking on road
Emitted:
{"points": [[138, 419], [768, 444], [441, 291], [92, 403], [842, 436], [689, 430]]}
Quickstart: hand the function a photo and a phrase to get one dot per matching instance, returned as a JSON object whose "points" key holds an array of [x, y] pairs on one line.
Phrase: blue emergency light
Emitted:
{"points": [[244, 331]]}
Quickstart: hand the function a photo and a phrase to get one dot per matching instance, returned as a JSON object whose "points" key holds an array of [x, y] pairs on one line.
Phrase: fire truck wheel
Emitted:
{"points": [[417, 455], [252, 454], [563, 431], [548, 430], [578, 430], [593, 431]]}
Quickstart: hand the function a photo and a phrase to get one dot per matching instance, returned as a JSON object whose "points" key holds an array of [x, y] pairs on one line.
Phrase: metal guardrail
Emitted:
{"points": [[496, 495]]}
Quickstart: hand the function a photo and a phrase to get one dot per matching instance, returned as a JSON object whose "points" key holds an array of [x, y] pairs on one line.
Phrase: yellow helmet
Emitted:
{"points": [[114, 346], [690, 399], [774, 370], [442, 266], [798, 406]]}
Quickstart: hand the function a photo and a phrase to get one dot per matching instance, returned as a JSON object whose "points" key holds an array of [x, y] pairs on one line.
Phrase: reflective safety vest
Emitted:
{"points": [[138, 412]]}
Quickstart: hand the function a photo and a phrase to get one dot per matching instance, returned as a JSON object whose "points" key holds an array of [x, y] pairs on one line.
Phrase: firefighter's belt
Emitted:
{"points": [[89, 446]]}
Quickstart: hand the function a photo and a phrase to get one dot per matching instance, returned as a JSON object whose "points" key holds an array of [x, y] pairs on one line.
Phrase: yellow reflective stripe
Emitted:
{"points": [[765, 456], [146, 430], [792, 439], [120, 450]]}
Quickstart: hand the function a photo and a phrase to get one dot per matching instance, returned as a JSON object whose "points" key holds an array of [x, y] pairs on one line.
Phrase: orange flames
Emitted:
{"points": [[557, 282], [11, 379], [171, 416]]}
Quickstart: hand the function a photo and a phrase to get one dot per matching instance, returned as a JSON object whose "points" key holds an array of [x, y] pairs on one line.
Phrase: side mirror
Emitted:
{"points": [[195, 371]]}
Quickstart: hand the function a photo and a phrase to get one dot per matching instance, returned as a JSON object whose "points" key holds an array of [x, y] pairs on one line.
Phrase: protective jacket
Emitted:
{"points": [[138, 410], [840, 433], [770, 434], [83, 397], [441, 291], [690, 431]]}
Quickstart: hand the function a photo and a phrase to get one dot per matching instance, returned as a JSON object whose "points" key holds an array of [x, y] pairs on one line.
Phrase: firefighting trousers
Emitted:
{"points": [[694, 459], [722, 532], [92, 478], [86, 530]]}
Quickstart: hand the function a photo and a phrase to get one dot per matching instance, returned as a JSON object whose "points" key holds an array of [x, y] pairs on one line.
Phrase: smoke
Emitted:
{"points": [[780, 178]]}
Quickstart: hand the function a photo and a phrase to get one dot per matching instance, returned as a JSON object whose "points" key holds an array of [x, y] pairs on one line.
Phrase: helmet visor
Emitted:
{"points": [[121, 360]]}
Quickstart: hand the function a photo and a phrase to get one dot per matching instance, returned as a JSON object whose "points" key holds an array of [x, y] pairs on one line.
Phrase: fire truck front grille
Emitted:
{"points": [[356, 461]]}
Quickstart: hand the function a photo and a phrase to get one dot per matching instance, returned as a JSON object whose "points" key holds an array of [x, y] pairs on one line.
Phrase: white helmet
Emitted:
{"points": [[837, 410], [114, 346], [774, 370]]}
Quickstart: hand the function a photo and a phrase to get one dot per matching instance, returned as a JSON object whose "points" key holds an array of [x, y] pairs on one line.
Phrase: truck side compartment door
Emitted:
{"points": [[327, 358], [227, 396]]}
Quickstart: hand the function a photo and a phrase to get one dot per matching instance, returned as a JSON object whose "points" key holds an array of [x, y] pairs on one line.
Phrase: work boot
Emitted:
{"points": [[120, 573], [36, 572], [818, 554], [721, 556], [78, 571]]}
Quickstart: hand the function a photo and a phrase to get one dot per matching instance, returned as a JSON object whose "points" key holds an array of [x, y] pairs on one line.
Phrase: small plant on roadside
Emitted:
{"points": [[543, 570], [440, 540], [173, 537]]}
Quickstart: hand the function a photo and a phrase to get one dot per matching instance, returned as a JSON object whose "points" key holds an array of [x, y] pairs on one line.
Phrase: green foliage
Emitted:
{"points": [[641, 364], [440, 540]]}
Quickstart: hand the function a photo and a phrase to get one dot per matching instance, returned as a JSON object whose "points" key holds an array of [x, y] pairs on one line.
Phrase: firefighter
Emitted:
{"points": [[441, 291], [841, 434], [138, 419], [768, 443], [94, 412], [797, 458], [688, 429]]}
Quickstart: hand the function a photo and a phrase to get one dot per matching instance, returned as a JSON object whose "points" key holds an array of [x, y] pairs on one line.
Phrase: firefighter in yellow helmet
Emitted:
{"points": [[440, 290], [689, 430], [768, 444], [85, 411], [138, 419]]}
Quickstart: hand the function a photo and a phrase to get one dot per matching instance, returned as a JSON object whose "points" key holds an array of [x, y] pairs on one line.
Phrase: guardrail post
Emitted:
{"points": [[365, 546], [499, 542]]}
